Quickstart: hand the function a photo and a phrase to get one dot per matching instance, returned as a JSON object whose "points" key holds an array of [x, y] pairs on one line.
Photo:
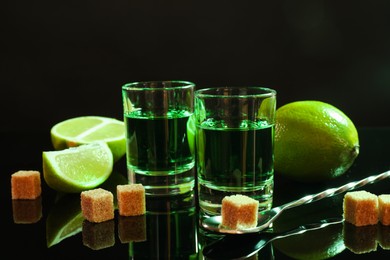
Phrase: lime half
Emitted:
{"points": [[87, 129]]}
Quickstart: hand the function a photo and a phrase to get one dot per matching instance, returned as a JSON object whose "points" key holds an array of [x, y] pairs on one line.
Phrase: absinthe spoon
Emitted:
{"points": [[267, 217]]}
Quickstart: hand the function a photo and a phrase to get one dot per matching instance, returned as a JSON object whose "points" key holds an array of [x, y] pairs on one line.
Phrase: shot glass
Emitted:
{"points": [[160, 139], [235, 145]]}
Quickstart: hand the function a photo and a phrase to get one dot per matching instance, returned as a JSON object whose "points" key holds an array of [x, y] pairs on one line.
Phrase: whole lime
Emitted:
{"points": [[314, 141]]}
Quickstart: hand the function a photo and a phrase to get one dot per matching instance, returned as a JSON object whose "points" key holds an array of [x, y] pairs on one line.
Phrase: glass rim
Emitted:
{"points": [[212, 92], [159, 84]]}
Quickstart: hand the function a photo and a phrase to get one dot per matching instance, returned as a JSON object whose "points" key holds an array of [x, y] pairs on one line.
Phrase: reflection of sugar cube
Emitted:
{"points": [[131, 199], [26, 185], [383, 236], [132, 228], [98, 235], [361, 208], [360, 239], [97, 205], [27, 211], [239, 212]]}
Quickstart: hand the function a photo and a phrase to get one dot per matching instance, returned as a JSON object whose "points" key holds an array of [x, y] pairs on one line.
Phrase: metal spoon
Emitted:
{"points": [[250, 244], [267, 217]]}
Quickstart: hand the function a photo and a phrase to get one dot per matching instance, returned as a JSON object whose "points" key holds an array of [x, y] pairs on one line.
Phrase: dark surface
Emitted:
{"points": [[174, 232], [62, 59], [73, 56]]}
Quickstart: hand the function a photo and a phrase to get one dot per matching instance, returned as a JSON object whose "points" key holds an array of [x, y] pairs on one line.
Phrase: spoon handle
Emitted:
{"points": [[335, 191]]}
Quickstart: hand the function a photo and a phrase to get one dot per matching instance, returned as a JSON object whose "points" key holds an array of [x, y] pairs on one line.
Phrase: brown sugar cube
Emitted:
{"points": [[360, 208], [239, 212], [131, 199], [97, 205], [26, 185], [384, 209]]}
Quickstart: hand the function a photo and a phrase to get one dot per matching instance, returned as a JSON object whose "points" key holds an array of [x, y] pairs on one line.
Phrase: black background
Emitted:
{"points": [[61, 59]]}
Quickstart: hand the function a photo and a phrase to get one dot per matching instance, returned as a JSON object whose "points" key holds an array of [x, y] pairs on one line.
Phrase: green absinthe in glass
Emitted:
{"points": [[238, 160], [158, 145]]}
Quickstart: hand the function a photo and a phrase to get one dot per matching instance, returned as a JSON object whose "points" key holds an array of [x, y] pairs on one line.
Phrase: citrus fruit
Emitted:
{"points": [[191, 128], [314, 141], [86, 129], [77, 168]]}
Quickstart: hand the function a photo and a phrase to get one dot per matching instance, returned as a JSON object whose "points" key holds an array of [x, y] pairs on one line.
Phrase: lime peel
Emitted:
{"points": [[314, 141]]}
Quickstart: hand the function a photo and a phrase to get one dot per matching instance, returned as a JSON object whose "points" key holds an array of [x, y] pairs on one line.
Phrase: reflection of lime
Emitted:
{"points": [[77, 168], [314, 141], [191, 129], [87, 129], [317, 244], [64, 220]]}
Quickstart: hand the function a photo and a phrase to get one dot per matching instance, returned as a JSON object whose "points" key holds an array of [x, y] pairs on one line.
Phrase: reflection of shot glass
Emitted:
{"points": [[159, 145], [171, 229], [235, 145]]}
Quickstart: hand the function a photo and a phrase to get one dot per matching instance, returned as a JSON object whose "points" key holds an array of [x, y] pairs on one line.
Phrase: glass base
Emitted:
{"points": [[164, 184]]}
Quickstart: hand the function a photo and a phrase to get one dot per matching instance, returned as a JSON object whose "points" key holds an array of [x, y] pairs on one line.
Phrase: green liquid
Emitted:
{"points": [[158, 145], [232, 161]]}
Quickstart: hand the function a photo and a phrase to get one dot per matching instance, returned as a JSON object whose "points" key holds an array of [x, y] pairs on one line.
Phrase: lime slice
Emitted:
{"points": [[78, 168], [87, 129]]}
